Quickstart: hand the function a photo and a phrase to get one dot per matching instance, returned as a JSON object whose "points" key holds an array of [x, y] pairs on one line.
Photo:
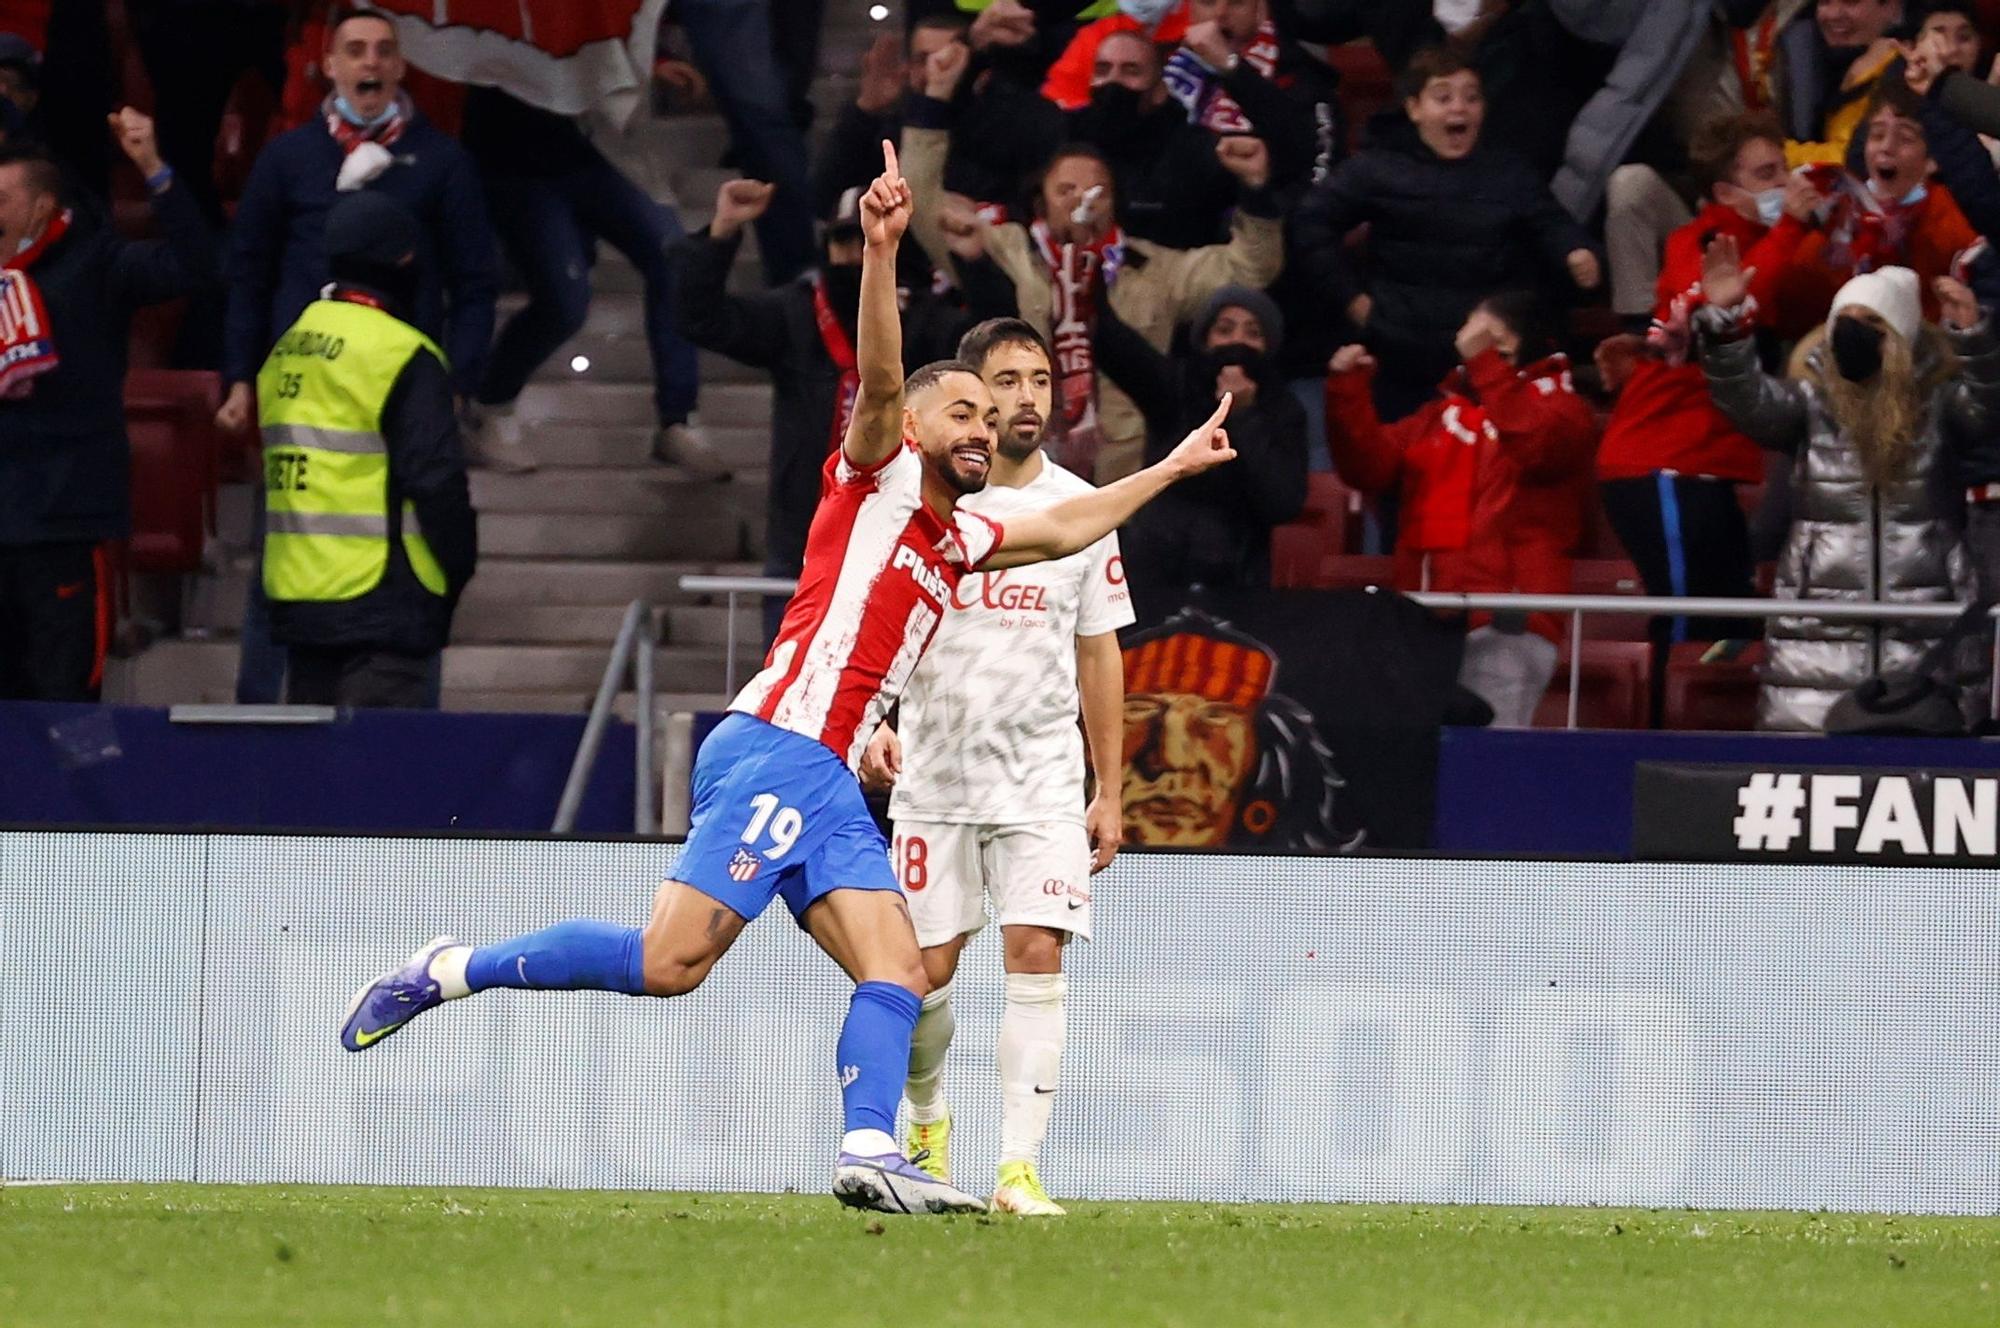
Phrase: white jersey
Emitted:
{"points": [[989, 720]]}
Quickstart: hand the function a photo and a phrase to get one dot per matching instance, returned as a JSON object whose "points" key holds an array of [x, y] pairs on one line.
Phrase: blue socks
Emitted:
{"points": [[570, 956], [874, 1054], [874, 1048]]}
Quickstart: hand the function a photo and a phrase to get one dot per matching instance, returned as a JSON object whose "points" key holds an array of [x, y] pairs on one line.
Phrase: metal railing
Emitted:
{"points": [[633, 648], [1575, 607]]}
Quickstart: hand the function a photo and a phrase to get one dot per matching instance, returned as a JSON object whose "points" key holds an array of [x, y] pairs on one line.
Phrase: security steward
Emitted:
{"points": [[371, 535]]}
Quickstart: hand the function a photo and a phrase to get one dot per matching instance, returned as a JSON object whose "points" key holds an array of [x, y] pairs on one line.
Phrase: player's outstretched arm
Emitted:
{"points": [[1079, 522], [876, 429]]}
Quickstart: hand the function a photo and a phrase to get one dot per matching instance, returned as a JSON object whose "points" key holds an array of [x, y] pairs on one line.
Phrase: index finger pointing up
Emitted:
{"points": [[889, 165], [1221, 411]]}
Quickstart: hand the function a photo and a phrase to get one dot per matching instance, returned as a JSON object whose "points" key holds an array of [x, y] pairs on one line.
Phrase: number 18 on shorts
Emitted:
{"points": [[1036, 875]]}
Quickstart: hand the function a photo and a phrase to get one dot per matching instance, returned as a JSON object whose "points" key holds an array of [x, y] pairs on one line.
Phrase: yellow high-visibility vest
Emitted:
{"points": [[320, 397]]}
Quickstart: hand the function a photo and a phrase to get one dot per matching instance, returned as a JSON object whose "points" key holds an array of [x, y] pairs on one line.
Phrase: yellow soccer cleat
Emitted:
{"points": [[1020, 1191], [929, 1146]]}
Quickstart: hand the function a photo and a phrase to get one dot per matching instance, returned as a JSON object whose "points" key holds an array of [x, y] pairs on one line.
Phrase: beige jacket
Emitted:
{"points": [[1157, 288]]}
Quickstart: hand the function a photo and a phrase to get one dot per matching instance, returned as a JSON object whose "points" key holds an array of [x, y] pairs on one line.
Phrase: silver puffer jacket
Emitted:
{"points": [[1850, 539]]}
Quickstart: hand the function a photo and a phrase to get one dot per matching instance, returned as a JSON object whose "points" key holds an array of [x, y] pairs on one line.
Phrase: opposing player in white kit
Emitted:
{"points": [[988, 774]]}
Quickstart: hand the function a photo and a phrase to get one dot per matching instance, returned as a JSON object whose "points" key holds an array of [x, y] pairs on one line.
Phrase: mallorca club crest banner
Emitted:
{"points": [[569, 56], [1284, 721]]}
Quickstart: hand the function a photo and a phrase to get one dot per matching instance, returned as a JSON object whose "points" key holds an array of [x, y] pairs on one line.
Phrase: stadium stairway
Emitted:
{"points": [[563, 550]]}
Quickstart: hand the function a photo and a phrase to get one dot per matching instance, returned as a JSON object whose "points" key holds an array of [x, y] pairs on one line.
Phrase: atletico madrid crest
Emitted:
{"points": [[744, 865]]}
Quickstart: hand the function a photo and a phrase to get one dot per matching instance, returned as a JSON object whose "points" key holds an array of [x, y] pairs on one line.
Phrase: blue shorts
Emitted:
{"points": [[777, 814]]}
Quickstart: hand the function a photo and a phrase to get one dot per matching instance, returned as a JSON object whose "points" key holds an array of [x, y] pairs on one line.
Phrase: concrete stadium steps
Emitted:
{"points": [[535, 581], [518, 678], [613, 339], [568, 445], [624, 706], [494, 622], [570, 402], [607, 535], [563, 550], [647, 490], [509, 585]]}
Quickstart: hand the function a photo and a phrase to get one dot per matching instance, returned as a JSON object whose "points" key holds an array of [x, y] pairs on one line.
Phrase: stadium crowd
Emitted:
{"points": [[1699, 283]]}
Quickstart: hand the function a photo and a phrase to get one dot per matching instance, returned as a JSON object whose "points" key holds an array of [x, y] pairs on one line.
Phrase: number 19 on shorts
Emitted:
{"points": [[912, 862], [783, 823]]}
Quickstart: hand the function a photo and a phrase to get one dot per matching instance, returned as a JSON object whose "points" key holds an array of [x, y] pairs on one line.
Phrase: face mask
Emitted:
{"points": [[1247, 358], [1910, 199], [1147, 13], [1857, 349], [1114, 111], [345, 110], [1770, 205], [843, 289]]}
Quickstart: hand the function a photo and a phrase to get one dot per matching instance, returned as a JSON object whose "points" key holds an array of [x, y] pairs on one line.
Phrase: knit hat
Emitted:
{"points": [[845, 223], [1259, 305], [370, 228], [19, 53], [1889, 291]]}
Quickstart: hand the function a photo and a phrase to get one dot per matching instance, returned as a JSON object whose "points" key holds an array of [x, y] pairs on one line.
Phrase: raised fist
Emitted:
{"points": [[737, 204], [1246, 158], [134, 131]]}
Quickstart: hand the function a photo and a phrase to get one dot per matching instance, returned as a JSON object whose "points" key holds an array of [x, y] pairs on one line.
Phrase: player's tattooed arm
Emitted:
{"points": [[876, 429], [1077, 523]]}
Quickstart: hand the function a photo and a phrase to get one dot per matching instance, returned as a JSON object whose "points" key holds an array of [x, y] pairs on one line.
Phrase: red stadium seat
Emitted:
{"points": [[189, 398], [170, 417], [1720, 696], [1367, 84], [1357, 571], [169, 501], [1301, 548], [1609, 576], [1615, 687]]}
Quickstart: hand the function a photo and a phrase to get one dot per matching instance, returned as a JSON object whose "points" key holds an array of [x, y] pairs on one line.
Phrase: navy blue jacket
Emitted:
{"points": [[65, 460], [277, 249], [1443, 235]]}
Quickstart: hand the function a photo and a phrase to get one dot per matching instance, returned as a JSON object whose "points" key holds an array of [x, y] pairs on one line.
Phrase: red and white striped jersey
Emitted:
{"points": [[879, 570]]}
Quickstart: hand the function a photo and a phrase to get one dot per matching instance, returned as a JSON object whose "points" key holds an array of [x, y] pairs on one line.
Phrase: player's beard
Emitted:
{"points": [[945, 466], [1017, 444]]}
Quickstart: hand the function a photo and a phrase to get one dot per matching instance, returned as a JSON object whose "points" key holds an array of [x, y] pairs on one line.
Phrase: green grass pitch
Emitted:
{"points": [[110, 1255]]}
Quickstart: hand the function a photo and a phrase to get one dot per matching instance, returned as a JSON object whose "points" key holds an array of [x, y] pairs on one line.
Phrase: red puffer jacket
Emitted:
{"points": [[1494, 474], [1664, 418]]}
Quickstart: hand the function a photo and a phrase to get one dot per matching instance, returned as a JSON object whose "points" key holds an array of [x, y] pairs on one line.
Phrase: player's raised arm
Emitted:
{"points": [[1077, 523], [876, 429]]}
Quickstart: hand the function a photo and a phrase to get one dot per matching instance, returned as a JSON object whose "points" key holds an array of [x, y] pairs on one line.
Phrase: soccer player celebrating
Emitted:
{"points": [[989, 800], [777, 810]]}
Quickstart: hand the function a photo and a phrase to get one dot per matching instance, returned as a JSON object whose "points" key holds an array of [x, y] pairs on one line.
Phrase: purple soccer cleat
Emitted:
{"points": [[894, 1184], [393, 999]]}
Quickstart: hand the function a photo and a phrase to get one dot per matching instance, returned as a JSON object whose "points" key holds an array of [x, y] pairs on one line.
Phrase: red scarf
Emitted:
{"points": [[1073, 285], [352, 136], [839, 349], [1865, 232], [1198, 88], [1754, 52], [27, 342]]}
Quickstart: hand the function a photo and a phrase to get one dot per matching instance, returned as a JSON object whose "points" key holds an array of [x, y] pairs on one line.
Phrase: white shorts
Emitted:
{"points": [[1036, 875]]}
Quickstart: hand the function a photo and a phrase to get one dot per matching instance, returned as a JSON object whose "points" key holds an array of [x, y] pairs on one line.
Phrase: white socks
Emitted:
{"points": [[1031, 1047], [928, 1044]]}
